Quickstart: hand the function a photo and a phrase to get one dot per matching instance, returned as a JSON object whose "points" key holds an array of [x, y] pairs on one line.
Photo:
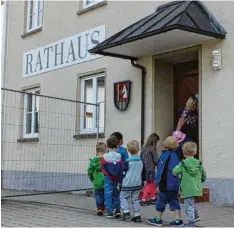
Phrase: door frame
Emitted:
{"points": [[197, 48]]}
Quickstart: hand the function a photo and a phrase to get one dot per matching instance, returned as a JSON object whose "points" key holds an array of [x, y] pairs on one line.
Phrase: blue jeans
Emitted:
{"points": [[168, 197], [99, 197], [111, 194]]}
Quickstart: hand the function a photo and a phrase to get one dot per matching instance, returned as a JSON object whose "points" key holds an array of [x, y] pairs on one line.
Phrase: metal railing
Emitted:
{"points": [[46, 143]]}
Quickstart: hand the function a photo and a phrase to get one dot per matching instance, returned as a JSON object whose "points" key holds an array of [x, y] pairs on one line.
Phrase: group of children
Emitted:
{"points": [[118, 178]]}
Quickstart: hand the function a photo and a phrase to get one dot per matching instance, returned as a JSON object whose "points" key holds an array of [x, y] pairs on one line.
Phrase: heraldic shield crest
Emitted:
{"points": [[122, 94]]}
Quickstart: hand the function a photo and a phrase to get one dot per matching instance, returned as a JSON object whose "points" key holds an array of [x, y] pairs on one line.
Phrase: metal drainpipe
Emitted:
{"points": [[143, 74]]}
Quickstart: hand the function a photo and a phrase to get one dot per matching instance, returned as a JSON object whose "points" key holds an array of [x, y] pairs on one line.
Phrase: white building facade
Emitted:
{"points": [[47, 54]]}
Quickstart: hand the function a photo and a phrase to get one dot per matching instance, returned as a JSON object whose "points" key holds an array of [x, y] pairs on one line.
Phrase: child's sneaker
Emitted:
{"points": [[136, 219], [177, 223], [99, 212], [155, 221], [126, 215], [197, 218], [153, 201], [116, 214], [104, 210], [145, 203], [109, 216]]}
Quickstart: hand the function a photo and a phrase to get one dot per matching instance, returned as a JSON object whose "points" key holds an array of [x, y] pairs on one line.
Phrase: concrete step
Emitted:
{"points": [[205, 198]]}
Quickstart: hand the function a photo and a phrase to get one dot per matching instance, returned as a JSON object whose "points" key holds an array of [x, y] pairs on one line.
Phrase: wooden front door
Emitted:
{"points": [[185, 85]]}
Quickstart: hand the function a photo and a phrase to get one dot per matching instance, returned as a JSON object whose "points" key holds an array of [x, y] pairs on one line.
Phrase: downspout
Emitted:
{"points": [[143, 74]]}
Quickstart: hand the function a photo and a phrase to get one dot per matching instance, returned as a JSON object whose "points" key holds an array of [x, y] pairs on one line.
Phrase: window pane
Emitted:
{"points": [[89, 2], [31, 22], [40, 5], [36, 122], [31, 7], [88, 87], [36, 108], [31, 12], [100, 89], [40, 13], [101, 98], [88, 97], [39, 19], [29, 103], [28, 123]]}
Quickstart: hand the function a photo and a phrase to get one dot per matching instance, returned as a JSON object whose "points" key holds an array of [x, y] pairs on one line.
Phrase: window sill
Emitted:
{"points": [[84, 10], [31, 32], [88, 136], [28, 140]]}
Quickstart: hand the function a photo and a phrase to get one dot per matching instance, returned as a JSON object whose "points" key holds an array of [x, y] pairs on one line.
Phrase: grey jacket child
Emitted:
{"points": [[132, 179]]}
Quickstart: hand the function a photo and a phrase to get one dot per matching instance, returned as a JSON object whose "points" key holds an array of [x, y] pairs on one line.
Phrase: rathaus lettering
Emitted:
{"points": [[70, 51]]}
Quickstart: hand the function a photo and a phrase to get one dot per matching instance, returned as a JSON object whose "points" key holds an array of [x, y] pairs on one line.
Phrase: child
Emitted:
{"points": [[96, 176], [120, 148], [112, 167], [192, 175], [132, 183], [149, 157], [181, 139], [168, 184]]}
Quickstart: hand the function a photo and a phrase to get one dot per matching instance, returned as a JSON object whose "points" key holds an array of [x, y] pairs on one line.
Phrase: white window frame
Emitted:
{"points": [[37, 11], [32, 134], [87, 5], [94, 101]]}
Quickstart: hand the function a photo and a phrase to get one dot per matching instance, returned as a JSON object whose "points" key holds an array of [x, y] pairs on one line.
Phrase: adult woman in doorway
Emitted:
{"points": [[188, 122]]}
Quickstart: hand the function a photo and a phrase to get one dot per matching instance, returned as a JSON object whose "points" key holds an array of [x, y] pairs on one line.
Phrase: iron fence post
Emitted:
{"points": [[97, 119]]}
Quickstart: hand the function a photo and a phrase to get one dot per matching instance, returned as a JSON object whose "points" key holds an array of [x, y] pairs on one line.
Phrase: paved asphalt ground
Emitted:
{"points": [[72, 210]]}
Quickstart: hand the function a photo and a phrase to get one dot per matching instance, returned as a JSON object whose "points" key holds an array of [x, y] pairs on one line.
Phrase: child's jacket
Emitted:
{"points": [[123, 152], [149, 157], [132, 180], [192, 175], [164, 177], [95, 173], [112, 166]]}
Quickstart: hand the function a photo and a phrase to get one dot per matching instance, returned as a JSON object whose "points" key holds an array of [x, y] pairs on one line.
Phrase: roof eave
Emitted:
{"points": [[99, 50]]}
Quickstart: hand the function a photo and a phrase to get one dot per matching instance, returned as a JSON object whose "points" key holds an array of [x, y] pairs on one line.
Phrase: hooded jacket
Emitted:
{"points": [[164, 177], [95, 173], [112, 165], [192, 175], [132, 180]]}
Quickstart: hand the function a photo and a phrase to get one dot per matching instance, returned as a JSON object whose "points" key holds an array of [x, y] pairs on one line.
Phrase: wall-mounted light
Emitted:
{"points": [[217, 59]]}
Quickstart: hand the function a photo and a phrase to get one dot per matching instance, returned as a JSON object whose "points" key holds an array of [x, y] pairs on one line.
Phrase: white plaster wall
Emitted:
{"points": [[60, 21], [55, 151], [217, 98]]}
